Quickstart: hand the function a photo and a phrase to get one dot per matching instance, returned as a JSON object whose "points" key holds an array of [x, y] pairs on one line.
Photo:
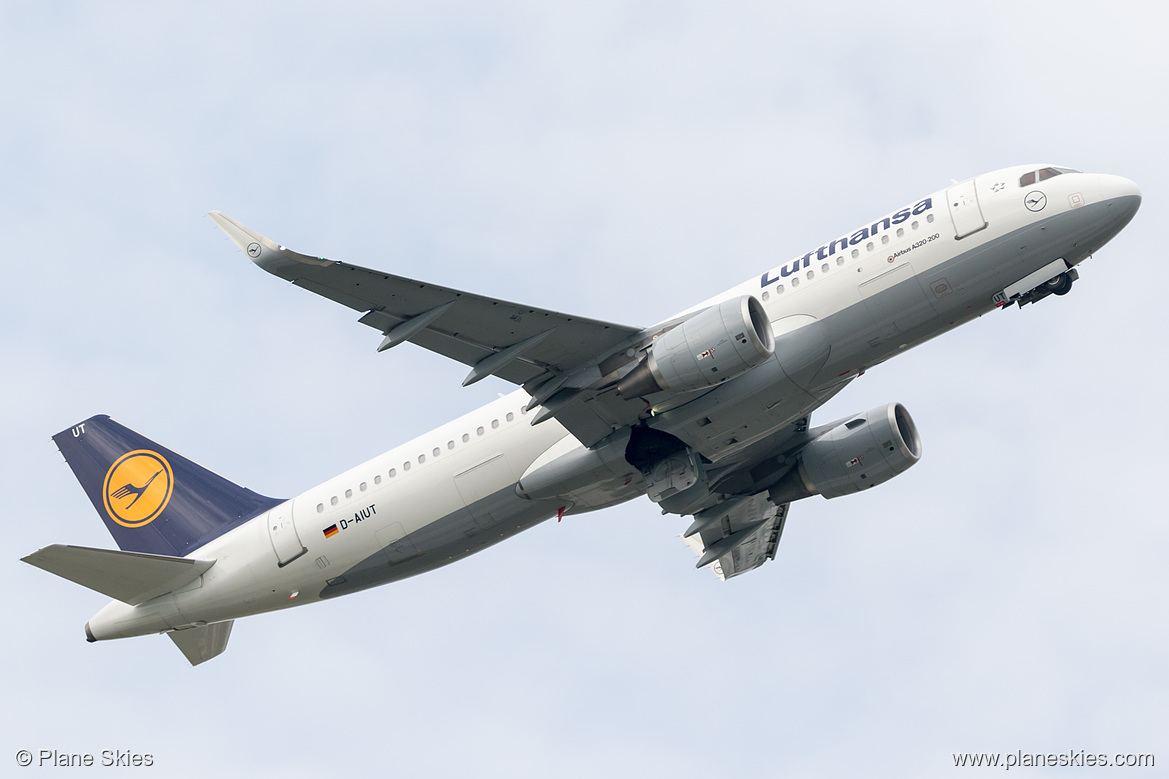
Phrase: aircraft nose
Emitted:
{"points": [[1123, 197]]}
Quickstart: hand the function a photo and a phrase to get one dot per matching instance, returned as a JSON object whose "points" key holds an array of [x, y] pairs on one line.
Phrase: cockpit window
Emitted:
{"points": [[1043, 174]]}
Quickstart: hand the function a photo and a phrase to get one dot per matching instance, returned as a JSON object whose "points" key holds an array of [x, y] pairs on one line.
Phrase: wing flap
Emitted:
{"points": [[737, 536], [131, 577]]}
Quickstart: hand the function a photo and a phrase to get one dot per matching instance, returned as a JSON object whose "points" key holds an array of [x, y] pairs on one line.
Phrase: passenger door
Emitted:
{"points": [[964, 209], [282, 532]]}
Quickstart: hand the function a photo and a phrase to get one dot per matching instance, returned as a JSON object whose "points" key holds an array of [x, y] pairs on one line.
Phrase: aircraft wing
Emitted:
{"points": [[737, 536], [547, 352]]}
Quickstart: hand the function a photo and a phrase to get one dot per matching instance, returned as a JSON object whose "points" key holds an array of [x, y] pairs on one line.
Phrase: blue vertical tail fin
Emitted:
{"points": [[152, 499]]}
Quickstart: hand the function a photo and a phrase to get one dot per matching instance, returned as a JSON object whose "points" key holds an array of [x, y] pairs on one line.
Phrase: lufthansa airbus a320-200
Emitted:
{"points": [[706, 413]]}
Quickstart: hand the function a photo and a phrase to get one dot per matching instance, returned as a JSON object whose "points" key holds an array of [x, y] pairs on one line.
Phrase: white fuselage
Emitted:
{"points": [[885, 287]]}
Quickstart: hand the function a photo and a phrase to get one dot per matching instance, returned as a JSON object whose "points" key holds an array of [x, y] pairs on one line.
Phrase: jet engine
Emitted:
{"points": [[861, 452], [717, 344]]}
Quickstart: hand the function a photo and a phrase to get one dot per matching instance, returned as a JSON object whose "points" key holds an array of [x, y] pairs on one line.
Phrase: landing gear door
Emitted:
{"points": [[964, 209], [285, 542]]}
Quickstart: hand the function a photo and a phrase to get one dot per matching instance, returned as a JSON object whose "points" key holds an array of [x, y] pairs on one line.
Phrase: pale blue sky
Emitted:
{"points": [[620, 161]]}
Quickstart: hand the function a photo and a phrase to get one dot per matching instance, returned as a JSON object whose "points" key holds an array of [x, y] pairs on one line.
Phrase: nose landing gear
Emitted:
{"points": [[1061, 284], [1056, 285]]}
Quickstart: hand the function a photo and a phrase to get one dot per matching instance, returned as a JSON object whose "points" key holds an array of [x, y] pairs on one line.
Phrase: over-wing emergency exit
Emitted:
{"points": [[707, 414]]}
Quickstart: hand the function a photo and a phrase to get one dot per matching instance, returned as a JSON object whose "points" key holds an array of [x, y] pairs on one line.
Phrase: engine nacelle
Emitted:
{"points": [[581, 478], [862, 452], [715, 345]]}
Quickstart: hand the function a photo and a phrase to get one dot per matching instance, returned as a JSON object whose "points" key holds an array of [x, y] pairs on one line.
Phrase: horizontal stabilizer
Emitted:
{"points": [[131, 577], [201, 644]]}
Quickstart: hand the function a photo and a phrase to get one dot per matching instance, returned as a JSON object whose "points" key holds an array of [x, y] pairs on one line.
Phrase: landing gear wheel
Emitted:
{"points": [[1060, 285]]}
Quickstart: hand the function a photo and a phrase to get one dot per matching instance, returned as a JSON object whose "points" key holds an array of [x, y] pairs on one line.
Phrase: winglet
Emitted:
{"points": [[242, 236], [265, 252]]}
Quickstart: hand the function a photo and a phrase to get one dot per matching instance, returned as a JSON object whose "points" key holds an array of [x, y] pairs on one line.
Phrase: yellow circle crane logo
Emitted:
{"points": [[137, 488]]}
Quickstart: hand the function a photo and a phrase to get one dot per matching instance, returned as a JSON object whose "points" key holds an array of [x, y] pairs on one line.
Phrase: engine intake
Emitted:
{"points": [[715, 345], [862, 452]]}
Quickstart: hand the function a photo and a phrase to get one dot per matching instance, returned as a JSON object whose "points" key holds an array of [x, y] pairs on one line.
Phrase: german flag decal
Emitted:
{"points": [[331, 531]]}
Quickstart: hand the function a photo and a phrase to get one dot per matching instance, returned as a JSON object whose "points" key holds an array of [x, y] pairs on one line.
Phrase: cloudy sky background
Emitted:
{"points": [[619, 161]]}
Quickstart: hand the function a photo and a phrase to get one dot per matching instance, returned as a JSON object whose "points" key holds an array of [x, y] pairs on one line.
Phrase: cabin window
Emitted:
{"points": [[510, 416], [320, 507], [869, 246], [406, 466], [884, 239], [421, 459], [839, 260], [900, 232], [824, 268], [914, 224], [929, 218], [494, 424], [377, 479], [393, 472], [856, 253], [436, 452], [795, 281], [348, 493], [362, 486], [333, 501], [479, 431], [450, 444], [466, 437], [811, 275], [766, 296]]}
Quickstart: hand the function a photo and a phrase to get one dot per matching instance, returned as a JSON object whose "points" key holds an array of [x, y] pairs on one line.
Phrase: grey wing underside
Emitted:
{"points": [[737, 536], [554, 356], [743, 531]]}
